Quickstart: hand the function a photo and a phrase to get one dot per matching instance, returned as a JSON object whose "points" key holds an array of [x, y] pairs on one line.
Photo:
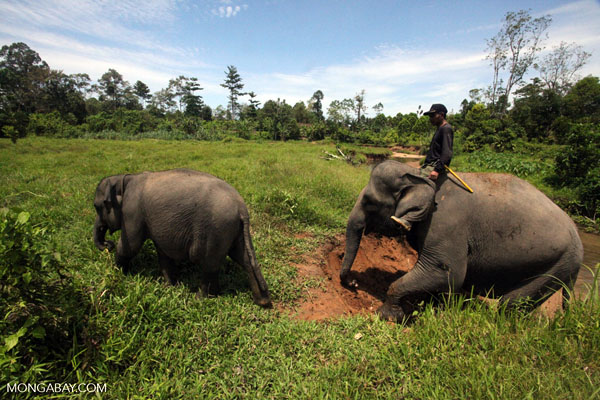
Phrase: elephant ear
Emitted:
{"points": [[113, 195], [416, 178]]}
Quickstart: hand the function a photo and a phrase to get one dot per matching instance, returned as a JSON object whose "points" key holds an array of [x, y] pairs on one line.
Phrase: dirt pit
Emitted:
{"points": [[380, 261]]}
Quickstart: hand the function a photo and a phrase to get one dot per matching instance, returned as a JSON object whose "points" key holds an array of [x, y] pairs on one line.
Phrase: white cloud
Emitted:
{"points": [[119, 26], [390, 76], [230, 10], [98, 19]]}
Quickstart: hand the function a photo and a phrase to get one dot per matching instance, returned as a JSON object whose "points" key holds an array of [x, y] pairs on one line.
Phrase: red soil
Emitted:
{"points": [[379, 262]]}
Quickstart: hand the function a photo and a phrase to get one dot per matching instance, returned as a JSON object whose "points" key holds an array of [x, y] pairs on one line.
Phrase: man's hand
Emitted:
{"points": [[433, 175]]}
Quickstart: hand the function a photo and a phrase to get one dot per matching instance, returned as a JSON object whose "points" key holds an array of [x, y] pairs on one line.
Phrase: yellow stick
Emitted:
{"points": [[457, 177]]}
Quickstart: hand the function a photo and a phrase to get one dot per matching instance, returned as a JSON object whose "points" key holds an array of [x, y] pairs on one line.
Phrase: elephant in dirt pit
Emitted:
{"points": [[505, 240], [189, 215]]}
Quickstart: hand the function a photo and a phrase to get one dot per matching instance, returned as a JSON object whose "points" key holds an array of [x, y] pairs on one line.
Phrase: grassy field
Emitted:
{"points": [[148, 340]]}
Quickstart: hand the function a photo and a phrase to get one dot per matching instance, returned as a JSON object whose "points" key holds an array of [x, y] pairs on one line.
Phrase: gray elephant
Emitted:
{"points": [[506, 240], [189, 215]]}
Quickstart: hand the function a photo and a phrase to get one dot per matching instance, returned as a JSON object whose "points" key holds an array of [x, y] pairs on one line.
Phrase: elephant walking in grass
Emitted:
{"points": [[189, 215], [506, 240]]}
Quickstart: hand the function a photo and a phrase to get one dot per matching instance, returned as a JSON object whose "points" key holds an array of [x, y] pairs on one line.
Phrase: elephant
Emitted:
{"points": [[189, 215], [505, 240]]}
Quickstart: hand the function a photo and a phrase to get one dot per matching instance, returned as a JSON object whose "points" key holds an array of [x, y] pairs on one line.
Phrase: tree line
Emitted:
{"points": [[35, 98]]}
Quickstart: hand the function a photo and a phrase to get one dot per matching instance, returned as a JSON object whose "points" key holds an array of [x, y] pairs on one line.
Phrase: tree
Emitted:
{"points": [[315, 104], [220, 113], [511, 52], [193, 103], [22, 75], [142, 91], [233, 83], [162, 101], [65, 94], [252, 106], [113, 87], [378, 108], [582, 103], [558, 70], [535, 109], [300, 113], [277, 118], [340, 111], [183, 89], [359, 105]]}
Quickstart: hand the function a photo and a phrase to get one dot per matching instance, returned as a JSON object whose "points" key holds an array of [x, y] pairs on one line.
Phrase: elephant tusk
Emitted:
{"points": [[457, 177]]}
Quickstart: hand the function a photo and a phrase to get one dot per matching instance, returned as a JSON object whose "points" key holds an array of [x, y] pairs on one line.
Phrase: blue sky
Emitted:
{"points": [[402, 53]]}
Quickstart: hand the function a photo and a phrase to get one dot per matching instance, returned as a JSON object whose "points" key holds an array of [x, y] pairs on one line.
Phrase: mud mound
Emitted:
{"points": [[380, 261]]}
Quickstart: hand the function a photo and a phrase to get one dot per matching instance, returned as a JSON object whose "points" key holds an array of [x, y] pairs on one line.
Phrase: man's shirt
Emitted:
{"points": [[440, 150]]}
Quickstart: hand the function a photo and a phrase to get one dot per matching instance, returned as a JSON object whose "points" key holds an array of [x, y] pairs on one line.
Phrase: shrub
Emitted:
{"points": [[577, 167], [505, 162], [131, 122], [38, 304], [10, 132], [54, 125], [581, 152], [316, 131]]}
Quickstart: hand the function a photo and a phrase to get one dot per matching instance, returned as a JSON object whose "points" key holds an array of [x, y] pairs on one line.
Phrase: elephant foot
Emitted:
{"points": [[348, 283], [391, 312], [264, 302], [108, 245]]}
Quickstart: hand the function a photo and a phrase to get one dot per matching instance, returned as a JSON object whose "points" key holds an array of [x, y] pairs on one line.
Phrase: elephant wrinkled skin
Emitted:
{"points": [[506, 240], [189, 215]]}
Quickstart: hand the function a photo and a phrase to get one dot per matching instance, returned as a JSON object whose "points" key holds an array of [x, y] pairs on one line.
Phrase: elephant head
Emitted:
{"points": [[108, 202], [393, 189]]}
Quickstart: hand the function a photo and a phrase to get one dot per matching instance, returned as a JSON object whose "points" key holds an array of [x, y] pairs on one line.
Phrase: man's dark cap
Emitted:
{"points": [[437, 108]]}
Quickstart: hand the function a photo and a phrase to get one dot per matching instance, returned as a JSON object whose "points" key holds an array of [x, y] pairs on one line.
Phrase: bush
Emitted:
{"points": [[505, 162], [316, 131], [577, 167], [10, 132], [341, 134], [54, 125], [13, 125], [580, 154], [588, 194], [39, 306], [131, 122]]}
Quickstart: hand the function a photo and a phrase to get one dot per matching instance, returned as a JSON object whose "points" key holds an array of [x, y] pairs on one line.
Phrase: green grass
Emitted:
{"points": [[148, 340]]}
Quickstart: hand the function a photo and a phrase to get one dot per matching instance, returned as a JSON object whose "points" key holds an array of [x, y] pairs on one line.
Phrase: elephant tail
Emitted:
{"points": [[250, 253]]}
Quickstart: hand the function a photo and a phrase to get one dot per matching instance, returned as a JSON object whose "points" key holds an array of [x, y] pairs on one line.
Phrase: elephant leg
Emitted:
{"points": [[210, 283], [127, 248], [535, 290], [167, 267], [413, 207], [428, 278], [209, 256]]}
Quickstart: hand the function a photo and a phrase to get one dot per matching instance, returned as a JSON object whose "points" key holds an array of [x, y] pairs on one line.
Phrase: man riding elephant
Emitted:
{"points": [[437, 159]]}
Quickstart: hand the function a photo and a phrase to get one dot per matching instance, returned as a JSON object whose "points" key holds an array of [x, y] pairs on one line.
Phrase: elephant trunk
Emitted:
{"points": [[354, 232], [100, 234]]}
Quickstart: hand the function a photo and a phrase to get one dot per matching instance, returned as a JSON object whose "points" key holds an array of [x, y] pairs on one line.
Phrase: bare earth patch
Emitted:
{"points": [[379, 262]]}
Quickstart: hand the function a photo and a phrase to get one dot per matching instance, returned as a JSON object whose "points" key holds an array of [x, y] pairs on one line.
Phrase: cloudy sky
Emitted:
{"points": [[403, 53]]}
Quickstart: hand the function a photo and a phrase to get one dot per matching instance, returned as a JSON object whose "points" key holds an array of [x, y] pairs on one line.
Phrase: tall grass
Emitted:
{"points": [[148, 340]]}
